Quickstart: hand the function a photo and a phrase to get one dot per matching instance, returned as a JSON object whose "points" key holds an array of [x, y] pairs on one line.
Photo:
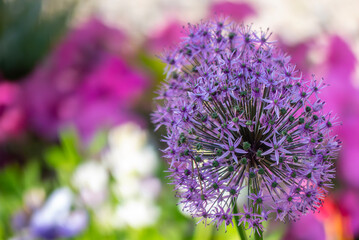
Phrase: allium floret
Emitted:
{"points": [[241, 119]]}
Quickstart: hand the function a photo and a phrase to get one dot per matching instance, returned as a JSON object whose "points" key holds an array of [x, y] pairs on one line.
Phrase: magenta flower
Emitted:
{"points": [[85, 83], [165, 36], [343, 97], [348, 205], [299, 53], [238, 11], [12, 117], [223, 137], [308, 227]]}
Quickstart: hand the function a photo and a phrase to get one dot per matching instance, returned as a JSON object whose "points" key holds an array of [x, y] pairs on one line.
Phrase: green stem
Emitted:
{"points": [[240, 228], [258, 236]]}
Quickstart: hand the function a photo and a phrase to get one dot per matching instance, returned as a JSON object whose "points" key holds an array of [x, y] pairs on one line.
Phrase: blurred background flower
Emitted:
{"points": [[85, 82], [55, 219], [12, 115], [76, 85]]}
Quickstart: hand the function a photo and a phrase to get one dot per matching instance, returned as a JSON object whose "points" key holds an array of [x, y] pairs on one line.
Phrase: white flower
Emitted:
{"points": [[137, 213], [132, 161], [134, 187], [127, 136], [91, 178], [129, 152]]}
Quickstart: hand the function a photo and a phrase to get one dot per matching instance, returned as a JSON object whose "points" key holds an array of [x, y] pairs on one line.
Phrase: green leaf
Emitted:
{"points": [[27, 33], [31, 175], [9, 181], [70, 144], [66, 157], [98, 143]]}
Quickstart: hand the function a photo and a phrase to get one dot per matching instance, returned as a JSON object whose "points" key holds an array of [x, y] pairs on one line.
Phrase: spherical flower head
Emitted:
{"points": [[241, 119]]}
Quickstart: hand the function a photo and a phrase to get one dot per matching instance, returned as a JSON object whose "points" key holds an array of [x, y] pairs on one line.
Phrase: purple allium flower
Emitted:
{"points": [[240, 116]]}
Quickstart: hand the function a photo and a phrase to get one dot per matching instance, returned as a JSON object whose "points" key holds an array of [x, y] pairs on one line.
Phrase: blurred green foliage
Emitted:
{"points": [[55, 168], [27, 34], [15, 180], [65, 156]]}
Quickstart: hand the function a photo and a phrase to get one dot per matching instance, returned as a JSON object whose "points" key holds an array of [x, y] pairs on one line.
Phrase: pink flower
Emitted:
{"points": [[299, 53], [85, 83], [342, 97], [12, 119], [348, 205], [165, 36], [308, 227], [236, 10], [338, 69]]}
